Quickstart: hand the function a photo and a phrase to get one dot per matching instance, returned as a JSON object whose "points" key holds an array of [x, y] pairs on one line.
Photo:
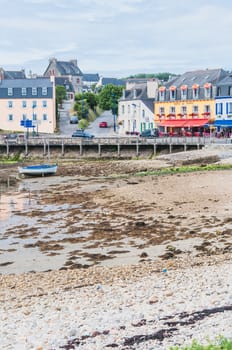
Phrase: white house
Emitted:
{"points": [[136, 107]]}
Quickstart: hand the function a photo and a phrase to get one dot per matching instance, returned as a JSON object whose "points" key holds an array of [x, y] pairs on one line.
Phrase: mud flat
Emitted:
{"points": [[149, 264]]}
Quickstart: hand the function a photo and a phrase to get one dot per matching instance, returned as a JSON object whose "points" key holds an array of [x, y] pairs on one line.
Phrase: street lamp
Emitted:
{"points": [[114, 110]]}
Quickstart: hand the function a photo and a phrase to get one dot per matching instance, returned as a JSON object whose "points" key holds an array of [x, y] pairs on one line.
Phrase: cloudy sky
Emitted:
{"points": [[117, 38]]}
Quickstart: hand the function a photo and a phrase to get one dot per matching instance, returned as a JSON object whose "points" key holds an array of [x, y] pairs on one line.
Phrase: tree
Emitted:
{"points": [[109, 96], [60, 94]]}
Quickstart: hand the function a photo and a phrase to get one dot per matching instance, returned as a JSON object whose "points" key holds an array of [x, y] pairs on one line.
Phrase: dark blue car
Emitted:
{"points": [[82, 133]]}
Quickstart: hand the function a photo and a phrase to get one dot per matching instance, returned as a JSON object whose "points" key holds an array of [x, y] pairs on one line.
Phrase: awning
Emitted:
{"points": [[223, 123], [195, 122], [173, 123], [183, 123]]}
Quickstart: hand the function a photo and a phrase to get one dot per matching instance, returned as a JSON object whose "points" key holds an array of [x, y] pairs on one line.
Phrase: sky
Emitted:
{"points": [[116, 38]]}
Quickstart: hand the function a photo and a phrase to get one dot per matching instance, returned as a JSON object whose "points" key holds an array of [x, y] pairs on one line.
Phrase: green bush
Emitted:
{"points": [[222, 344]]}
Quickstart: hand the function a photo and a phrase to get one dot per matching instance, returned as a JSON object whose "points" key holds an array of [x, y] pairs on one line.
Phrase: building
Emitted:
{"points": [[136, 107], [7, 74], [223, 110], [107, 81], [68, 70], [28, 99], [90, 80], [188, 101]]}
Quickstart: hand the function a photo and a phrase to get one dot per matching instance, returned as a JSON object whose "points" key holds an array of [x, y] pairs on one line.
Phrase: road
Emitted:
{"points": [[66, 129]]}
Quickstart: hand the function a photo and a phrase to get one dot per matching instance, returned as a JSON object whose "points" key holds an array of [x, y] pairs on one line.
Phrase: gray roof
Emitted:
{"points": [[68, 68], [14, 74], [34, 82], [91, 77], [62, 81], [226, 81], [113, 81], [198, 77], [141, 94]]}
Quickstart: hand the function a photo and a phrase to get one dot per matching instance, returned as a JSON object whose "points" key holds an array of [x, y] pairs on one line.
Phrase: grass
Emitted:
{"points": [[222, 344], [185, 169]]}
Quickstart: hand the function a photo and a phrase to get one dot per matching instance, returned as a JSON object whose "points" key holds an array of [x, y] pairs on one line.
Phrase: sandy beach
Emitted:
{"points": [[152, 269]]}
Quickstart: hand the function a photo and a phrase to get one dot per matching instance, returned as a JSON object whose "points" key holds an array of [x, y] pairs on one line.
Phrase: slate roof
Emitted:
{"points": [[14, 74], [91, 77], [34, 82], [141, 94], [68, 68], [113, 81], [198, 77], [62, 81]]}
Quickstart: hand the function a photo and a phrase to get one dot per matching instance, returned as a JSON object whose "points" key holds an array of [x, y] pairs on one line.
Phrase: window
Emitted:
{"points": [[34, 104], [219, 108], [24, 117], [123, 109], [195, 93], [10, 104], [143, 113], [24, 104], [34, 116], [172, 110], [229, 107], [161, 111], [44, 91], [45, 104], [230, 91], [162, 95], [207, 109], [10, 91], [45, 117], [218, 91], [34, 91], [195, 109], [184, 110], [10, 117], [172, 94], [24, 91], [129, 109], [207, 92]]}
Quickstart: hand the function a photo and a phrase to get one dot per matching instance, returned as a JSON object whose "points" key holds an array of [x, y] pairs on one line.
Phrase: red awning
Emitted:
{"points": [[183, 123], [173, 123], [195, 122]]}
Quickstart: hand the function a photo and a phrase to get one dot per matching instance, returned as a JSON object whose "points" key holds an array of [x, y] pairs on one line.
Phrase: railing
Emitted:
{"points": [[165, 140]]}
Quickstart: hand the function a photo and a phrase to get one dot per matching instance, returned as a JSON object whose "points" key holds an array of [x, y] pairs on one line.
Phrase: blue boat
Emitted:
{"points": [[38, 170]]}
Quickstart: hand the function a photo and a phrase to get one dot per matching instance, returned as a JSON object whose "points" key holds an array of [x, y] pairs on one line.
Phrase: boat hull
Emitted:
{"points": [[38, 170]]}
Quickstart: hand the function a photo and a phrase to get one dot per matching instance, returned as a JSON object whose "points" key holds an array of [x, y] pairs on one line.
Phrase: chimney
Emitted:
{"points": [[74, 62]]}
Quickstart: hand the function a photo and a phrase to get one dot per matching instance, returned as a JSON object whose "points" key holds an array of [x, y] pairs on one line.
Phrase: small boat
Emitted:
{"points": [[38, 170]]}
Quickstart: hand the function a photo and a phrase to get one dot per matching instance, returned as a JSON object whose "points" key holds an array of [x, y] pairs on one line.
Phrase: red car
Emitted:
{"points": [[103, 125]]}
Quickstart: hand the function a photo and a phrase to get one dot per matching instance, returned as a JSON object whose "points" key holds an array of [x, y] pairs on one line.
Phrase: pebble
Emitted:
{"points": [[126, 309]]}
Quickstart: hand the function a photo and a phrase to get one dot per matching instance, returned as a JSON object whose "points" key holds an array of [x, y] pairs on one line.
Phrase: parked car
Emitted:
{"points": [[74, 119], [150, 133], [13, 138], [103, 125], [82, 133]]}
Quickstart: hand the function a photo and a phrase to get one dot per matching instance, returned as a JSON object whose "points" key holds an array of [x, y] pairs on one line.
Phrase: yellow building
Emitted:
{"points": [[187, 103]]}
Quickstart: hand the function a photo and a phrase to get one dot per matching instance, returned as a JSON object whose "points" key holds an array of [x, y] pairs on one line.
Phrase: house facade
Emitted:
{"points": [[68, 70], [136, 107], [223, 108], [28, 99], [188, 101]]}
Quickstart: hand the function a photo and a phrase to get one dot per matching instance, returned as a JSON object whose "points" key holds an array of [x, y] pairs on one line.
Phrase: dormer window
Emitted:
{"points": [[172, 90], [162, 93], [195, 89], [207, 90], [184, 89]]}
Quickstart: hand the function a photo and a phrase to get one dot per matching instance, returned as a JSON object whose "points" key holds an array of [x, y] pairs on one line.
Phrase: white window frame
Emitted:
{"points": [[10, 117], [24, 91], [44, 91], [34, 91], [10, 91]]}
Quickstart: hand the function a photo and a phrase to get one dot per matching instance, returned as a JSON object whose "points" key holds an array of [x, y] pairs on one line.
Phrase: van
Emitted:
{"points": [[150, 133]]}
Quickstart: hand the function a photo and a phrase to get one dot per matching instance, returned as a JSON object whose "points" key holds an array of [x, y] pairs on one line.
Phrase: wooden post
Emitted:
{"points": [[62, 148], [99, 149], [44, 147], [7, 148], [155, 149], [118, 149]]}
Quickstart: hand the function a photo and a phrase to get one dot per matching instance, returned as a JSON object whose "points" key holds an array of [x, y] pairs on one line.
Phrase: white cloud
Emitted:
{"points": [[118, 35]]}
